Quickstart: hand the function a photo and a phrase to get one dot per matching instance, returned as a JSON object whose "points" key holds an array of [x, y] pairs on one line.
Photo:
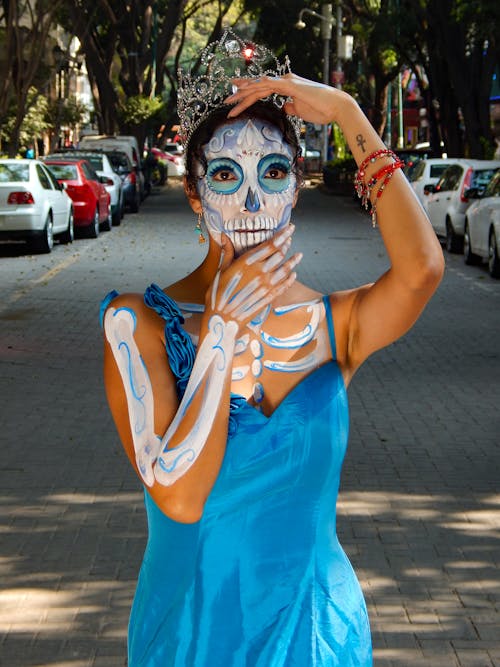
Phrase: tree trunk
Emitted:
{"points": [[469, 69]]}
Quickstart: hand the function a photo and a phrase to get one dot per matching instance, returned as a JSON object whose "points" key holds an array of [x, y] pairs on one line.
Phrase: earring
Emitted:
{"points": [[198, 230]]}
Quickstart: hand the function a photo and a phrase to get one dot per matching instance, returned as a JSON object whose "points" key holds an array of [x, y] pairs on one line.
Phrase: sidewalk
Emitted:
{"points": [[419, 508]]}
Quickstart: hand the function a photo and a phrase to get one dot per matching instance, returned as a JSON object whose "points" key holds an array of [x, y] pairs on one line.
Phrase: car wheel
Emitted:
{"points": [[106, 225], [493, 258], [158, 175], [134, 207], [45, 242], [94, 225], [117, 216], [454, 243], [69, 235], [469, 257]]}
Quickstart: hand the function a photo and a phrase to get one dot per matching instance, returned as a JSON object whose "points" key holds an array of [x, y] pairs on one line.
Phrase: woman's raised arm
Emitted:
{"points": [[383, 311]]}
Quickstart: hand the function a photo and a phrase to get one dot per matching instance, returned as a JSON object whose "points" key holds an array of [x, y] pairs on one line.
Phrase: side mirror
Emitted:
{"points": [[105, 180], [428, 188]]}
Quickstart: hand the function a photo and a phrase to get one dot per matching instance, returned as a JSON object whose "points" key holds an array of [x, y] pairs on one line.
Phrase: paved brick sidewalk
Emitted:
{"points": [[419, 509]]}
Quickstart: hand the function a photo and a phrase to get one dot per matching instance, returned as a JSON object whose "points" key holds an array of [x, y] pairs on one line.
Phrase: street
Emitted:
{"points": [[419, 508]]}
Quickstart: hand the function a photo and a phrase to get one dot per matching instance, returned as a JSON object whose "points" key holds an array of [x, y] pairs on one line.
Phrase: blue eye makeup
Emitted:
{"points": [[224, 176], [274, 173]]}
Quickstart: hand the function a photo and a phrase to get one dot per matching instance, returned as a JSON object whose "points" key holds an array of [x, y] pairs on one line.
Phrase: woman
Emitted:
{"points": [[239, 438]]}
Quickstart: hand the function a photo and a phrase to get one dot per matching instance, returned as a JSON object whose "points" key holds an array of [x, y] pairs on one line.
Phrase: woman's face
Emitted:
{"points": [[248, 190]]}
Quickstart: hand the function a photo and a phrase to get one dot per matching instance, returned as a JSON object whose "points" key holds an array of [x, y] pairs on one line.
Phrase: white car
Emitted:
{"points": [[424, 173], [103, 167], [33, 206], [482, 228], [125, 143], [448, 200]]}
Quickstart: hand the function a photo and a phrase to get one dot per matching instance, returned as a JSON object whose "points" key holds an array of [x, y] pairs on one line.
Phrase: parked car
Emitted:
{"points": [[482, 228], [424, 173], [91, 200], [125, 170], [172, 160], [103, 168], [410, 156], [33, 206], [124, 143], [449, 199], [309, 157]]}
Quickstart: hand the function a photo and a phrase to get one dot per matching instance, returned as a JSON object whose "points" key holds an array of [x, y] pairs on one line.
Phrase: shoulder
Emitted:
{"points": [[131, 305]]}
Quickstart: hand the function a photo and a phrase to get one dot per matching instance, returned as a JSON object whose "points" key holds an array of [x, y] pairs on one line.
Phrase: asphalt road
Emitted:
{"points": [[419, 509]]}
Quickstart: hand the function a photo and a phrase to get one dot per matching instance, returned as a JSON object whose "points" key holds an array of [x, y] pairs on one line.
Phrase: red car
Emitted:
{"points": [[91, 200]]}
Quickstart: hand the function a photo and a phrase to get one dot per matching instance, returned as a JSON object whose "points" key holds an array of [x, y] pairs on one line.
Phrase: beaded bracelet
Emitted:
{"points": [[387, 172], [374, 156], [364, 190]]}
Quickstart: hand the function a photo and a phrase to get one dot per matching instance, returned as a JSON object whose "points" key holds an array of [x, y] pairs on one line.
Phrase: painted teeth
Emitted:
{"points": [[260, 223]]}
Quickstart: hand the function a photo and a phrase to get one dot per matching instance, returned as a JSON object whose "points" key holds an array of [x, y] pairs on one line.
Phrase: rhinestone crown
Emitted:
{"points": [[201, 93]]}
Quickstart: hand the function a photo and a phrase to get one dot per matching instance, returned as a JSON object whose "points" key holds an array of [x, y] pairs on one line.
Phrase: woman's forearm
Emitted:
{"points": [[410, 241]]}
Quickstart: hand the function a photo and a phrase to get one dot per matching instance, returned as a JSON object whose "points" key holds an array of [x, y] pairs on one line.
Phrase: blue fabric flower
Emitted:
{"points": [[236, 402], [180, 348]]}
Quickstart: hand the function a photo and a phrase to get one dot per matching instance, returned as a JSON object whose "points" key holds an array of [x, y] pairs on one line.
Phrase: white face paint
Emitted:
{"points": [[248, 189]]}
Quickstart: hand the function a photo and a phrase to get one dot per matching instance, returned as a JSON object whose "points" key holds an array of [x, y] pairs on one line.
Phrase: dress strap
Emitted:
{"points": [[329, 321]]}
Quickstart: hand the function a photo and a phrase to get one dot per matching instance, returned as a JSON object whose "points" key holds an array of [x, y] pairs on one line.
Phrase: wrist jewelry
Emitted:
{"points": [[364, 190], [387, 173]]}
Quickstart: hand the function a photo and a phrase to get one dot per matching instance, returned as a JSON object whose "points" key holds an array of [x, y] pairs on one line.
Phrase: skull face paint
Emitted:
{"points": [[248, 190]]}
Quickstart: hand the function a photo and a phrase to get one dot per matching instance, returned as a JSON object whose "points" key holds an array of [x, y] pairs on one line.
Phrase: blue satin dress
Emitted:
{"points": [[261, 580]]}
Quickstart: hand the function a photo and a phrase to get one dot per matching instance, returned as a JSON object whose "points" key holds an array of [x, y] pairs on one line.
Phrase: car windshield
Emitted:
{"points": [[437, 170], [480, 179], [95, 160], [171, 148], [14, 173], [119, 161], [493, 189], [64, 172]]}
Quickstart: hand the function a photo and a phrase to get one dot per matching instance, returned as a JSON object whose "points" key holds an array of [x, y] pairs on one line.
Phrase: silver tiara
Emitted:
{"points": [[199, 94]]}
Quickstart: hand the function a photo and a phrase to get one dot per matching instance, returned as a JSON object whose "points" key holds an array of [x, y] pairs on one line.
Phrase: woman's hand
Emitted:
{"points": [[245, 286], [313, 102]]}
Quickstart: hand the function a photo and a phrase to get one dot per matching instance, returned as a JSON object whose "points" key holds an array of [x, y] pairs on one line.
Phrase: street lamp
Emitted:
{"points": [[327, 23]]}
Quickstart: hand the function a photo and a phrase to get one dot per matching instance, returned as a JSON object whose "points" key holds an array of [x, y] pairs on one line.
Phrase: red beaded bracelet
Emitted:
{"points": [[387, 172], [374, 156], [364, 190]]}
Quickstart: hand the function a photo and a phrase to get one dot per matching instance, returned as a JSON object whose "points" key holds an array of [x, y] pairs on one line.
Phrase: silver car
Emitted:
{"points": [[424, 173], [449, 199], [33, 206], [482, 228]]}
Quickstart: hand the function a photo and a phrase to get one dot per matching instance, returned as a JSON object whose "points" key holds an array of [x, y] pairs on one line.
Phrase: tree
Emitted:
{"points": [[456, 42], [26, 31], [132, 52]]}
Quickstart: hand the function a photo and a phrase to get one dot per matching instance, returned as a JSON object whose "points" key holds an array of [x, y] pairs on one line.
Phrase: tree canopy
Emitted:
{"points": [[133, 49]]}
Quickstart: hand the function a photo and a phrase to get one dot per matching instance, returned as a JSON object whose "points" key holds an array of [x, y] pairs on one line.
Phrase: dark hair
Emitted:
{"points": [[261, 110]]}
